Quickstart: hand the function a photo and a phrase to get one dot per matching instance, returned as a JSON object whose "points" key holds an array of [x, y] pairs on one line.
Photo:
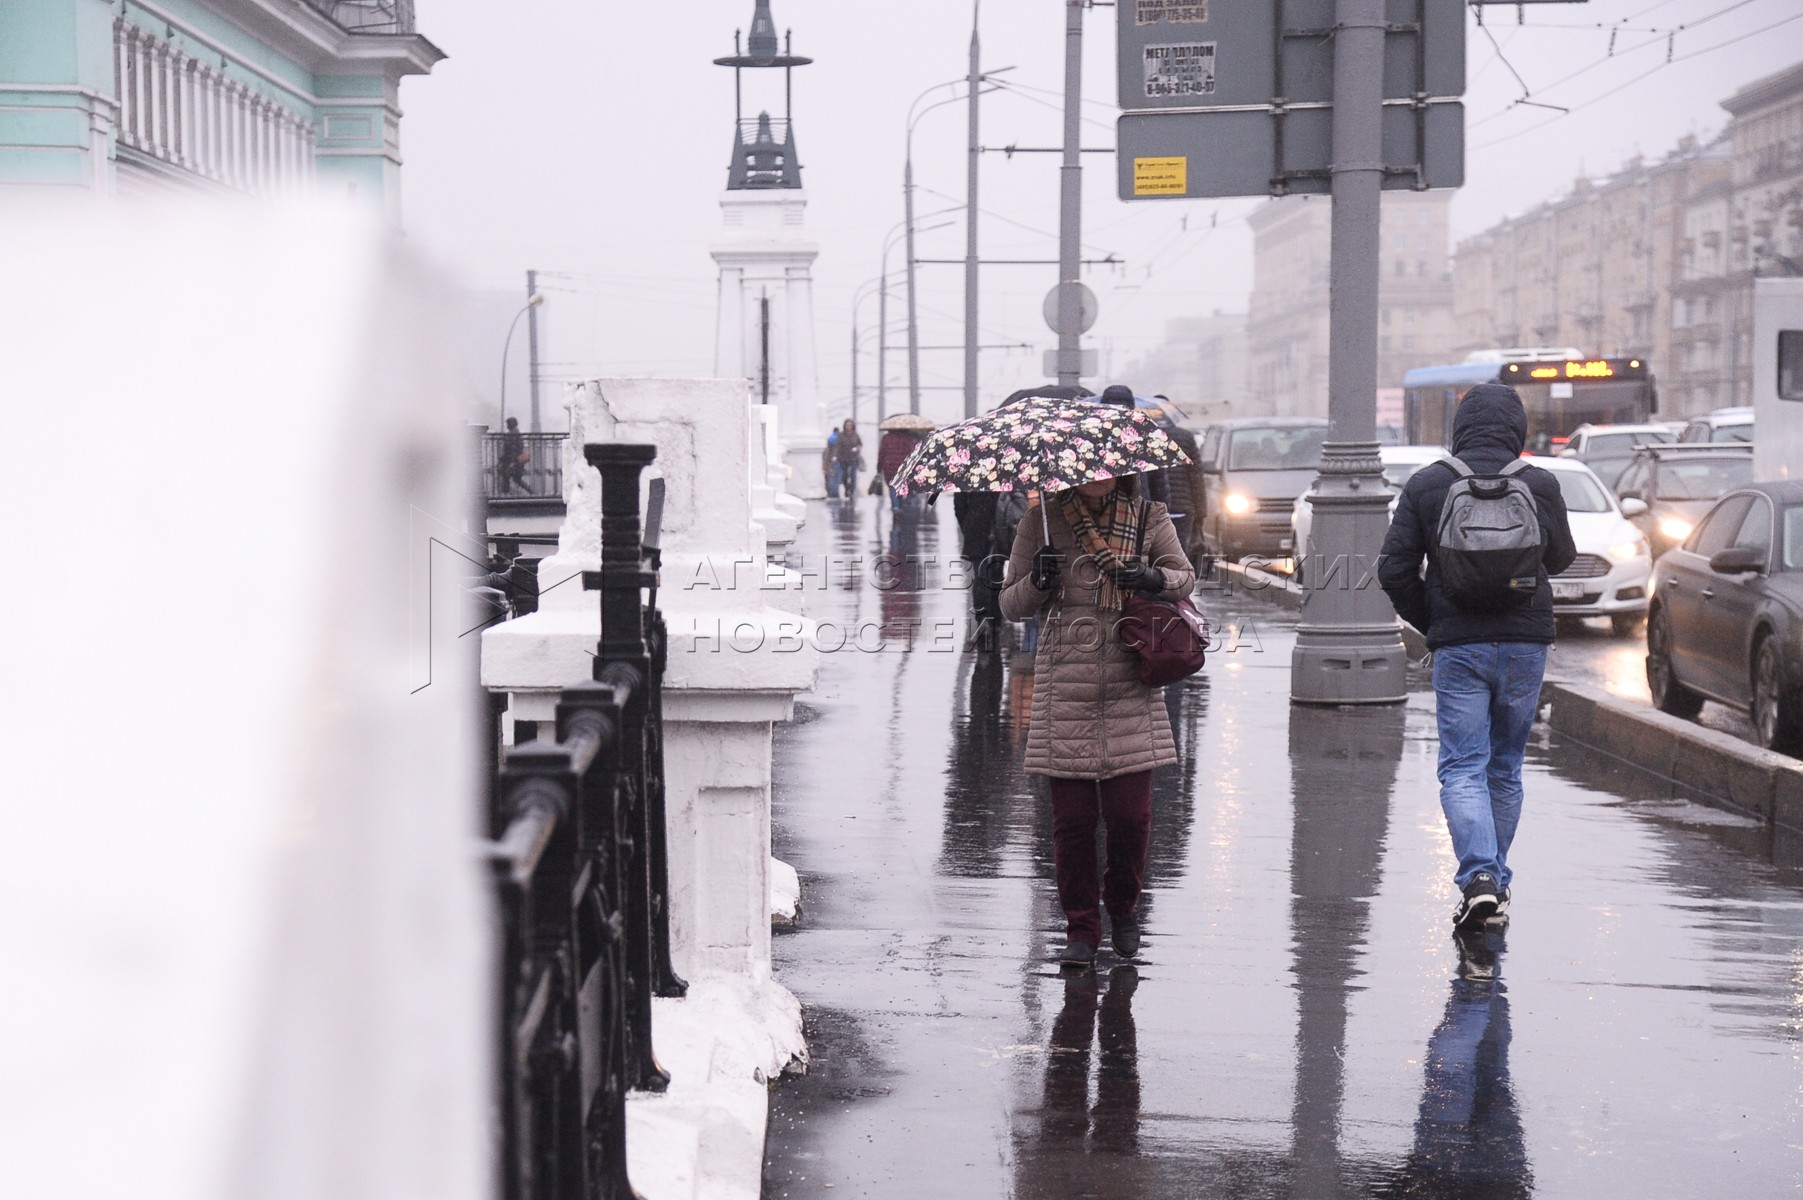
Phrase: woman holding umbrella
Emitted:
{"points": [[1096, 732]]}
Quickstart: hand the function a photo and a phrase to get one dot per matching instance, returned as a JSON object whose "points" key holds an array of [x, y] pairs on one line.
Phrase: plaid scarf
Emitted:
{"points": [[1109, 538]]}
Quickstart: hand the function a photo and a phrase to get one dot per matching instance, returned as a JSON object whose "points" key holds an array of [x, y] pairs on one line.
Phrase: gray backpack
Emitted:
{"points": [[1489, 539]]}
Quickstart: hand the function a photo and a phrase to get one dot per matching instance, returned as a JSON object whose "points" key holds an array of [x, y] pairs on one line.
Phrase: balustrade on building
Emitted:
{"points": [[186, 114]]}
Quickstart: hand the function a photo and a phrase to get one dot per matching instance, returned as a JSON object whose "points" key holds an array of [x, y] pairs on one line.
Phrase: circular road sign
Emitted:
{"points": [[1086, 307]]}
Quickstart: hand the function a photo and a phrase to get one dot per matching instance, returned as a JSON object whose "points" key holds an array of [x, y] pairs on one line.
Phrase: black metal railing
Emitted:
{"points": [[506, 476], [369, 16], [580, 863]]}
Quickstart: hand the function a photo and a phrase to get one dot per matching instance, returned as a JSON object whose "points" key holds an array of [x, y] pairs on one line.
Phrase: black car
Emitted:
{"points": [[1726, 621], [1665, 490], [1252, 469]]}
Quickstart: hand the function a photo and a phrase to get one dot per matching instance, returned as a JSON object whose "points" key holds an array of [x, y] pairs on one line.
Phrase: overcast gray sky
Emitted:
{"points": [[592, 139]]}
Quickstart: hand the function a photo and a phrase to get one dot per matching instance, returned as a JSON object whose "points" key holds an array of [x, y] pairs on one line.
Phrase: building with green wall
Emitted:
{"points": [[266, 98]]}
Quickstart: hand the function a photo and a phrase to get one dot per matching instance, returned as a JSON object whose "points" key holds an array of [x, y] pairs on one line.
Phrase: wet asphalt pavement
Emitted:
{"points": [[1300, 1023]]}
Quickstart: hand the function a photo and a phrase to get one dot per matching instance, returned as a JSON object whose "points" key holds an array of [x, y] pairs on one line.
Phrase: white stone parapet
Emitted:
{"points": [[735, 664], [246, 930], [772, 507]]}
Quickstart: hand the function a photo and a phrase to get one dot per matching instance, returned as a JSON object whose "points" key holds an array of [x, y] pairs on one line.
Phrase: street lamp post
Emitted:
{"points": [[857, 306], [532, 302], [972, 89], [882, 319], [1070, 202], [908, 213]]}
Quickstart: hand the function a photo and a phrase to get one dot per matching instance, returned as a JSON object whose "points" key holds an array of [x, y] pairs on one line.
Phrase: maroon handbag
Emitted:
{"points": [[1170, 637]]}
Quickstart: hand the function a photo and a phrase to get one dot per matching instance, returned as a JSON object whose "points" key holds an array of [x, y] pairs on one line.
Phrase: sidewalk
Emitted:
{"points": [[1296, 1026]]}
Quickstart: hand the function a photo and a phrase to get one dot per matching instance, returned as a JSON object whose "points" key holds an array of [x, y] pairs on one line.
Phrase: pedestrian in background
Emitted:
{"points": [[1153, 485], [513, 458], [1489, 651], [829, 464], [848, 456], [1097, 731], [892, 450]]}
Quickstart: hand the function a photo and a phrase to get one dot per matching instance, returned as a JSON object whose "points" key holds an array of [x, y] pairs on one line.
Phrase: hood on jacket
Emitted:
{"points": [[1490, 426]]}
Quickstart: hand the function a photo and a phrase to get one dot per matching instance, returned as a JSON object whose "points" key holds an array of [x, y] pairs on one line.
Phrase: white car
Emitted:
{"points": [[1611, 576], [1608, 449], [1400, 462]]}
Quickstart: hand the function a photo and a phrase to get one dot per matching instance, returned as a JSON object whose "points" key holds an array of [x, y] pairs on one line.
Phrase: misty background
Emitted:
{"points": [[590, 142]]}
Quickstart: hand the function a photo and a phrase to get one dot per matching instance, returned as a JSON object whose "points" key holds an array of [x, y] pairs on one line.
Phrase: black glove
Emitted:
{"points": [[1139, 576], [1048, 566]]}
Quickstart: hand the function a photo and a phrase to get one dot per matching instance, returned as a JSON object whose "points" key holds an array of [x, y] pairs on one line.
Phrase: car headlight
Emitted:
{"points": [[1628, 551], [1676, 528], [1239, 504]]}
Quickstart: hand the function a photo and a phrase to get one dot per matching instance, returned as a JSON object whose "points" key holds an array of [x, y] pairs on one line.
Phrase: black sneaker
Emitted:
{"points": [[1480, 900], [1501, 915], [1077, 954], [1126, 937]]}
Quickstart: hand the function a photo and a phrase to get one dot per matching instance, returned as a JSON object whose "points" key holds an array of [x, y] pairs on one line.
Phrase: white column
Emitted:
{"points": [[279, 155], [259, 156], [147, 94], [190, 114], [240, 100], [153, 98], [178, 123], [166, 101], [803, 421], [729, 325], [735, 666], [121, 75], [209, 107]]}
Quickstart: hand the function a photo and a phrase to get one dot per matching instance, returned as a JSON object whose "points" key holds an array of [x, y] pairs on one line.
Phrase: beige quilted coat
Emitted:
{"points": [[1092, 718]]}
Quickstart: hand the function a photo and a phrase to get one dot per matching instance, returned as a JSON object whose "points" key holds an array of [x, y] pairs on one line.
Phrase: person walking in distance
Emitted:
{"points": [[1096, 731], [848, 457], [829, 464], [892, 450], [513, 458], [1491, 529]]}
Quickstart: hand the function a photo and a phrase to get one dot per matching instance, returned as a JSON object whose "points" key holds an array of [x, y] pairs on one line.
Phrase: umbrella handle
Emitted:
{"points": [[1045, 522]]}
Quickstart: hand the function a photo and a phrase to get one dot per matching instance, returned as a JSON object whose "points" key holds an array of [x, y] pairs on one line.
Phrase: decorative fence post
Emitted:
{"points": [[581, 889], [624, 660]]}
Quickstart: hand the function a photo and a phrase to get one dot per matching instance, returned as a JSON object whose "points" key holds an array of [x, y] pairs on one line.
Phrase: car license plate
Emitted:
{"points": [[1567, 591]]}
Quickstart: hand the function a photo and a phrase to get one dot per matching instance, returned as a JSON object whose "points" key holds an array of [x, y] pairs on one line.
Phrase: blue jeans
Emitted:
{"points": [[1487, 693]]}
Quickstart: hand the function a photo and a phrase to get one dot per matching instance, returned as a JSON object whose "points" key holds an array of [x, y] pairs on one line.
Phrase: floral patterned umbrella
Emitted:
{"points": [[1039, 442]]}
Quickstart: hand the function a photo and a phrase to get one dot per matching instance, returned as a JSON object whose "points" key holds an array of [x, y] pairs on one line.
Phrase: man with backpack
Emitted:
{"points": [[1492, 529]]}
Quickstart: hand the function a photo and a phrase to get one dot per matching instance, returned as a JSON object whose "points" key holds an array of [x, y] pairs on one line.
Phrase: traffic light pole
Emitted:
{"points": [[1348, 647]]}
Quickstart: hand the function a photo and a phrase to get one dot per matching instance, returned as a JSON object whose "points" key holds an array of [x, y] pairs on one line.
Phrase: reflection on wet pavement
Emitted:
{"points": [[1468, 1136], [1301, 1023]]}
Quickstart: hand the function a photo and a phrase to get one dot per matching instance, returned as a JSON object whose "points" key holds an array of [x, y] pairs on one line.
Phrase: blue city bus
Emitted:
{"points": [[1561, 391]]}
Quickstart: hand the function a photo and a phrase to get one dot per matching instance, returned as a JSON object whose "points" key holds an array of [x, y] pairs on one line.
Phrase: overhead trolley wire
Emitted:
{"points": [[1667, 38], [1657, 67]]}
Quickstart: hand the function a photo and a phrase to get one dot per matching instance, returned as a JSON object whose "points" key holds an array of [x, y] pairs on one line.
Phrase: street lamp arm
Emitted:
{"points": [[532, 302], [985, 77]]}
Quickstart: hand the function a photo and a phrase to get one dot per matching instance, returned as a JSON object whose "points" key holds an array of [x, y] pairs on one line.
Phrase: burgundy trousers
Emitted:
{"points": [[1124, 806]]}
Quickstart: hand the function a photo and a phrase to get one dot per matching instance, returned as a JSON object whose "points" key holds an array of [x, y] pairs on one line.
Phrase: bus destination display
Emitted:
{"points": [[1571, 369]]}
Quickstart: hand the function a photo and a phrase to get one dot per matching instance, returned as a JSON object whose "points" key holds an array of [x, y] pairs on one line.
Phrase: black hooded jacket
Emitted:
{"points": [[1489, 430]]}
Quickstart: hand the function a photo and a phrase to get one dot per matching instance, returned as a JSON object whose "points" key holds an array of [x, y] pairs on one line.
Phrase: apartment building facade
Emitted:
{"points": [[1655, 261], [1287, 325]]}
